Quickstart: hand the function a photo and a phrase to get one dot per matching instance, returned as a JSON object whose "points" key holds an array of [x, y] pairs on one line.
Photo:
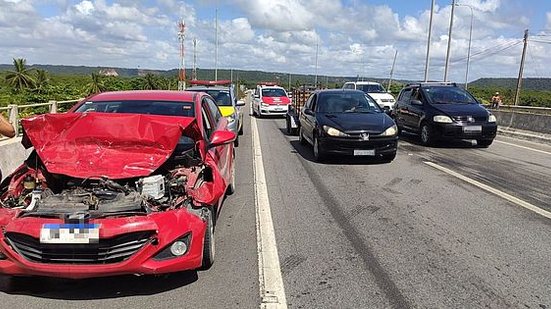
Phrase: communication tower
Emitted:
{"points": [[182, 65]]}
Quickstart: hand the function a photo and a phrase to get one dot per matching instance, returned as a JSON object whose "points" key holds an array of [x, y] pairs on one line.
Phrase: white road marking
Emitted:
{"points": [[492, 190], [524, 147], [272, 292]]}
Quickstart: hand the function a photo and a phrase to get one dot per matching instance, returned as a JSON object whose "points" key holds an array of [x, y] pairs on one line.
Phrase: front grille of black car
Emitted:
{"points": [[470, 119], [106, 251]]}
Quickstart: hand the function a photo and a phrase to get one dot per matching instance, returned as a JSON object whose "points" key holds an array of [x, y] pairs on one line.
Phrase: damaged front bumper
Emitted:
{"points": [[128, 245]]}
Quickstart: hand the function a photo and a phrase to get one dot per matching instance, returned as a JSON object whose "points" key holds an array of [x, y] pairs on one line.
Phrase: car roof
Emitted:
{"points": [[338, 91], [195, 88], [364, 83], [164, 95]]}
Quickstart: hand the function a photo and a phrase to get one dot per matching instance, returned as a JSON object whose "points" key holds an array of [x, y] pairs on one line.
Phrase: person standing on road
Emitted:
{"points": [[496, 100]]}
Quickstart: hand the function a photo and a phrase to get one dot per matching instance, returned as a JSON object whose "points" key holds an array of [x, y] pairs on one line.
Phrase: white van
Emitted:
{"points": [[374, 90]]}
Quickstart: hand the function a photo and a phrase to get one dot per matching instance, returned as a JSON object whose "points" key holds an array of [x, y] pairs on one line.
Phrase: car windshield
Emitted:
{"points": [[347, 103], [371, 88], [221, 97], [273, 92], [449, 95], [164, 108]]}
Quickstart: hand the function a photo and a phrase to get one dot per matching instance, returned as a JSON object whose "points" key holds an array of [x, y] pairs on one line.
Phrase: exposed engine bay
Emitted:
{"points": [[36, 192]]}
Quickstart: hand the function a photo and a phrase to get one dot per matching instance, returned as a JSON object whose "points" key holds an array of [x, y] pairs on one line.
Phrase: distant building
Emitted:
{"points": [[108, 72]]}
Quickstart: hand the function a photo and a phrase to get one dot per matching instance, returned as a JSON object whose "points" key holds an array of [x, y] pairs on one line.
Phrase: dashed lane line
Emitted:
{"points": [[272, 292], [524, 147], [492, 190]]}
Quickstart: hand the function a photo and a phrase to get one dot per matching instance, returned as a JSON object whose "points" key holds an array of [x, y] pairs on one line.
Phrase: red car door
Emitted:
{"points": [[212, 122]]}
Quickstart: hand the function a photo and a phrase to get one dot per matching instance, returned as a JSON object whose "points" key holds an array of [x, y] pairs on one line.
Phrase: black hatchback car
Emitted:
{"points": [[347, 122], [443, 111]]}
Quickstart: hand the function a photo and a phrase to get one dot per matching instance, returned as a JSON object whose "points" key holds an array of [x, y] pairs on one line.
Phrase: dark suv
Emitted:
{"points": [[443, 111]]}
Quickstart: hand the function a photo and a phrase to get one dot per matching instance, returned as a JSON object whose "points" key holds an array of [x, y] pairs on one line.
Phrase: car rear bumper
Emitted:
{"points": [[456, 131], [351, 147], [144, 261], [280, 110]]}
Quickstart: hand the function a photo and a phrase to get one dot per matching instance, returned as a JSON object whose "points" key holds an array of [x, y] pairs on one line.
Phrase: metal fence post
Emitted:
{"points": [[53, 106], [14, 117]]}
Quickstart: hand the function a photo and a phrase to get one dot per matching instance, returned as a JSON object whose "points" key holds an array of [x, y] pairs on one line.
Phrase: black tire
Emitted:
{"points": [[484, 143], [236, 142], [208, 242], [389, 157], [231, 186], [240, 130], [319, 153], [426, 135], [301, 138]]}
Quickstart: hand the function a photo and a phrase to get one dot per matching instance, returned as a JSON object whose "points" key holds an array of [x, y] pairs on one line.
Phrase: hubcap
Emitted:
{"points": [[424, 134], [316, 148]]}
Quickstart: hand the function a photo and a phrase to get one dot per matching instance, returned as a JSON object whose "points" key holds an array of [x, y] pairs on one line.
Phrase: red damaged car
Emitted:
{"points": [[124, 183]]}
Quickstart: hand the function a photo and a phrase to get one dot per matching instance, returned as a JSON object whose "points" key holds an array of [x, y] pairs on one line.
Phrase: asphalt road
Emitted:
{"points": [[358, 234]]}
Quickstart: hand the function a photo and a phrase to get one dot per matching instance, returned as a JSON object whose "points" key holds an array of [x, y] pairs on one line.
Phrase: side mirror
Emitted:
{"points": [[240, 103], [387, 110], [416, 102], [308, 111], [221, 137], [256, 96]]}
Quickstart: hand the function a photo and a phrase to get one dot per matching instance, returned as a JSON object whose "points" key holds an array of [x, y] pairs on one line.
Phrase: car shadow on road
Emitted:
{"points": [[95, 288], [305, 151], [414, 139]]}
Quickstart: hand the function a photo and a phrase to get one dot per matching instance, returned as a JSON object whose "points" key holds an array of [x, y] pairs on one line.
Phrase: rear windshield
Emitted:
{"points": [[371, 88], [347, 103], [221, 97], [164, 108], [273, 92], [449, 95]]}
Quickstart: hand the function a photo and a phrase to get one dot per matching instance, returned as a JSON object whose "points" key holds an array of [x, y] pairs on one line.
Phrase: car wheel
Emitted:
{"points": [[231, 186], [426, 134], [484, 143], [241, 129], [208, 242], [319, 154], [301, 138], [389, 157], [236, 142]]}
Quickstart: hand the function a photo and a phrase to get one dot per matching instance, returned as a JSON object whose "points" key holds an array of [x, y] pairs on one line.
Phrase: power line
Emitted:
{"points": [[490, 51]]}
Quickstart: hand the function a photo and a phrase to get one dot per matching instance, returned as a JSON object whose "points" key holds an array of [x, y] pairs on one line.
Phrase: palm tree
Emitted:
{"points": [[95, 85], [20, 78], [149, 82], [42, 80]]}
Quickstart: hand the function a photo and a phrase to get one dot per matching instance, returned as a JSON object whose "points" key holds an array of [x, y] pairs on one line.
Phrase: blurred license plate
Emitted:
{"points": [[80, 233], [279, 109], [472, 129], [370, 152]]}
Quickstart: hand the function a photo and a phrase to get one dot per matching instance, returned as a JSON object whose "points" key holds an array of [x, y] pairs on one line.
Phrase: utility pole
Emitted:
{"points": [[428, 42], [194, 72], [392, 70], [216, 47], [521, 71], [182, 65], [449, 43], [316, 78], [289, 82]]}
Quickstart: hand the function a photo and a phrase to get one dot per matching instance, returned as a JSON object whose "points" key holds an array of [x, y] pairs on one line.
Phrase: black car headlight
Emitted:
{"points": [[492, 118], [177, 248], [442, 119], [334, 132]]}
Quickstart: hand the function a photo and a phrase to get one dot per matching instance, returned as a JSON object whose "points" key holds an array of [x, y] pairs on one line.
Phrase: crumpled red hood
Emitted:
{"points": [[94, 145]]}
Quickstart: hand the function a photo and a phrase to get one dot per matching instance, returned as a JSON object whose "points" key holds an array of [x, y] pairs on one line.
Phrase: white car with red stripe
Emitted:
{"points": [[270, 100]]}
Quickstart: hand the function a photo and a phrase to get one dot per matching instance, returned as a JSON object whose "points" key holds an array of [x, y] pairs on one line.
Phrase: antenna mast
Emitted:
{"points": [[194, 72], [182, 66]]}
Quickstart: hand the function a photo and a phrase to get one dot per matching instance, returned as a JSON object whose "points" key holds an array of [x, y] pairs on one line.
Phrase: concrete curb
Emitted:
{"points": [[526, 135]]}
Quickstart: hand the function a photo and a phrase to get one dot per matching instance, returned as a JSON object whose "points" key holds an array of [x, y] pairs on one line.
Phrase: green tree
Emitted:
{"points": [[42, 80], [149, 82], [95, 85], [20, 78]]}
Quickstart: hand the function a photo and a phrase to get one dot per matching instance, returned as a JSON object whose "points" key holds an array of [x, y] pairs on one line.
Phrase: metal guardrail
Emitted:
{"points": [[526, 109], [14, 111]]}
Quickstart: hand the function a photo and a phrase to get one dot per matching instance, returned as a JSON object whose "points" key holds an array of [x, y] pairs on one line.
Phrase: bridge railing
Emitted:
{"points": [[526, 109], [17, 112]]}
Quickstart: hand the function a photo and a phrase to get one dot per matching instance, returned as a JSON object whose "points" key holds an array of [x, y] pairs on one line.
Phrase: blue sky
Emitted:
{"points": [[355, 37]]}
